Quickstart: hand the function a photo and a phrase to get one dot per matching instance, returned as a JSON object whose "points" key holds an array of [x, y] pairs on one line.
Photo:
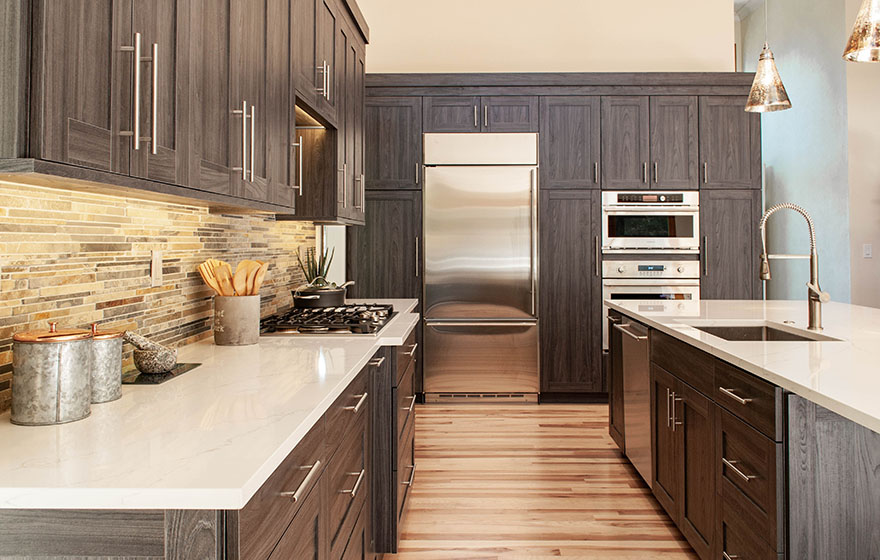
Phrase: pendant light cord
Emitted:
{"points": [[766, 22]]}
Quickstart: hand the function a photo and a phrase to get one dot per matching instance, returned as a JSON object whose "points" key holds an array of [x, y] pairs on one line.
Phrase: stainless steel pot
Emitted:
{"points": [[106, 365], [51, 379], [317, 296]]}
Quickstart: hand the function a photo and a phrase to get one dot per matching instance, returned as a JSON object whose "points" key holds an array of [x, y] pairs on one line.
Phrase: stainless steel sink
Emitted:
{"points": [[758, 333]]}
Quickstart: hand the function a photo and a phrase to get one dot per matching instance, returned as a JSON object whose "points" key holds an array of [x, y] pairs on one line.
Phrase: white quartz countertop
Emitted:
{"points": [[205, 440], [843, 376]]}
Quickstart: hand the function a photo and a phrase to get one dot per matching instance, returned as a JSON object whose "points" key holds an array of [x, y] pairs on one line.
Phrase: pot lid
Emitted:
{"points": [[52, 335], [105, 335]]}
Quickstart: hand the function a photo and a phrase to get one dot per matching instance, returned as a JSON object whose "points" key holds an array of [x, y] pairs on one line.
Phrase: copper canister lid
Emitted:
{"points": [[52, 335], [105, 335]]}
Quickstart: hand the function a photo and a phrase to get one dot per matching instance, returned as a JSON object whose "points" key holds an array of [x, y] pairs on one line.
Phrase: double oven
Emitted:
{"points": [[651, 251]]}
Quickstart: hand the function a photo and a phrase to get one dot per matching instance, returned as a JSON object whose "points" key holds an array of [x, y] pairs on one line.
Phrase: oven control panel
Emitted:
{"points": [[651, 269]]}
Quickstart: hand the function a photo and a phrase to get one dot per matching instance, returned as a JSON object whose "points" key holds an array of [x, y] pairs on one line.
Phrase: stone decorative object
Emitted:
{"points": [[149, 356], [236, 320]]}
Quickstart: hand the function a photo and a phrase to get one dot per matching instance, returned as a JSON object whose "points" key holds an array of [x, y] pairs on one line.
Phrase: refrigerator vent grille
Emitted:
{"points": [[482, 398]]}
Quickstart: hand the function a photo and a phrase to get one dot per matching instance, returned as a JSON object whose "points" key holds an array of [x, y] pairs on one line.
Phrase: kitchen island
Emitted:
{"points": [[204, 443], [759, 448]]}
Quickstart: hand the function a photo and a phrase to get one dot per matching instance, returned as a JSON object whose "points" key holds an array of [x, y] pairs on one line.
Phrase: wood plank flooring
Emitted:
{"points": [[528, 481]]}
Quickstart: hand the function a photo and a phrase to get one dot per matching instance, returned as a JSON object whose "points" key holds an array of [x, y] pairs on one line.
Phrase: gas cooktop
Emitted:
{"points": [[362, 319]]}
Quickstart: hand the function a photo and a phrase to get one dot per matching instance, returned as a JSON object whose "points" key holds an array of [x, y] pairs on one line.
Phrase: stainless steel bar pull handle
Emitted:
{"points": [[327, 80], [363, 192], [299, 165], [297, 495], [626, 331], [378, 361], [357, 408], [705, 255], [732, 465], [727, 556], [645, 172], [596, 172], [734, 396], [668, 408], [412, 404], [674, 421], [486, 116], [418, 172], [357, 483], [412, 476], [476, 122], [417, 257], [154, 133], [135, 133], [597, 251], [244, 141], [533, 239], [655, 173], [412, 350], [253, 138], [705, 172], [344, 172]]}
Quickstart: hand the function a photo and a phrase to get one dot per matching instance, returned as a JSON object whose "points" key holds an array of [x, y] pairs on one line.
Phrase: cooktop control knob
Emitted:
{"points": [[662, 198]]}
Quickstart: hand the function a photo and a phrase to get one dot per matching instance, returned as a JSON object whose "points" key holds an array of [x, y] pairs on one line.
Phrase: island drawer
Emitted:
{"points": [[348, 485], [694, 367], [404, 400], [406, 470], [406, 355], [736, 540], [266, 516], [349, 408], [754, 400], [751, 485]]}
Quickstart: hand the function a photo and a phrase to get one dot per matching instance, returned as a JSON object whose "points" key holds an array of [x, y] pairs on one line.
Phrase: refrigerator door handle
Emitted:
{"points": [[533, 238]]}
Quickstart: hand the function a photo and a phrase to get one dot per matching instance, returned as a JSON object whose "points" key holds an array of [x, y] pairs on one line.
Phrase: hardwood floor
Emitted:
{"points": [[528, 481]]}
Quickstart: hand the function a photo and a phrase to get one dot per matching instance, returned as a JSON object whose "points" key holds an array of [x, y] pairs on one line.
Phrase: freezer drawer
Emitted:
{"points": [[481, 357]]}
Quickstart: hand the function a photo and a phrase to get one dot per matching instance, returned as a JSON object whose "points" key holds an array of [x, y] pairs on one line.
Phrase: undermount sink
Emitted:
{"points": [[759, 333]]}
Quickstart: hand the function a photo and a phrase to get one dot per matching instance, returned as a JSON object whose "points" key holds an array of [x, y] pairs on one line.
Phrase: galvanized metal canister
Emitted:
{"points": [[106, 365], [51, 381], [236, 320]]}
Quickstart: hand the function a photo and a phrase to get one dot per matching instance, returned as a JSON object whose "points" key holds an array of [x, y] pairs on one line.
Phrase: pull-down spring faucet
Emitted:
{"points": [[815, 296]]}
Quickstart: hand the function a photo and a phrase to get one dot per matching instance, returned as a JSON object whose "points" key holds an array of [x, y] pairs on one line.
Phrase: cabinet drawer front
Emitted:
{"points": [[348, 409], [752, 399], [405, 471], [406, 355], [349, 484], [736, 539], [404, 400], [266, 516], [747, 475], [359, 544], [304, 538], [694, 367]]}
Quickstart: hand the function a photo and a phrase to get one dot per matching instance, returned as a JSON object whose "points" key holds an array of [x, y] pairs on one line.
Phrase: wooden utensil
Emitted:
{"points": [[253, 268], [258, 279], [239, 280], [208, 277], [224, 280]]}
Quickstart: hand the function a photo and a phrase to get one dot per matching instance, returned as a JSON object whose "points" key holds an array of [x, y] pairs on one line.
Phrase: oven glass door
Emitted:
{"points": [[650, 230], [652, 296]]}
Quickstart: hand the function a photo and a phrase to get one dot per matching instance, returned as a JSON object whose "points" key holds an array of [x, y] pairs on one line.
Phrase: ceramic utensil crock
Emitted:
{"points": [[236, 320], [51, 376], [106, 365]]}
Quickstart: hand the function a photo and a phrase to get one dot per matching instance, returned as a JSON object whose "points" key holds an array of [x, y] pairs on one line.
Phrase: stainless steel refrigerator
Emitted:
{"points": [[480, 245]]}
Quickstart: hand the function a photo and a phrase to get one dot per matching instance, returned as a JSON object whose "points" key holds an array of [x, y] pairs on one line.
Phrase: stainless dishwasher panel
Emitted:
{"points": [[481, 359], [637, 397]]}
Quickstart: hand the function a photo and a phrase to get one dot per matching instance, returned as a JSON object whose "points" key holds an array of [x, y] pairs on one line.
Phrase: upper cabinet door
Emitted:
{"points": [[674, 149], [214, 133], [452, 114], [326, 40], [393, 142], [161, 28], [625, 142], [730, 245], [280, 99], [306, 69], [730, 144], [86, 89], [509, 114], [356, 87], [569, 142]]}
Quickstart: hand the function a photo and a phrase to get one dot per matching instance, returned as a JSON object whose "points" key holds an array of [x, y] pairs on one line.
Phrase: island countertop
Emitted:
{"points": [[206, 440], [842, 376]]}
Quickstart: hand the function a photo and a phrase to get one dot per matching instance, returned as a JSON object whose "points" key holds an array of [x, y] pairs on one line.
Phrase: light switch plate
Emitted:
{"points": [[868, 251], [155, 268]]}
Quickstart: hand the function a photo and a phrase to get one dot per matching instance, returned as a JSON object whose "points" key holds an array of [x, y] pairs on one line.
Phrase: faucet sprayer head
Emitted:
{"points": [[765, 268]]}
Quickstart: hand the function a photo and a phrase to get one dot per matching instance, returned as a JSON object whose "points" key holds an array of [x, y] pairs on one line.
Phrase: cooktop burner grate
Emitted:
{"points": [[348, 319]]}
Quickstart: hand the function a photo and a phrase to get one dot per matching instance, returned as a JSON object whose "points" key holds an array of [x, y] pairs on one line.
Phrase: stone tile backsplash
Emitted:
{"points": [[80, 258]]}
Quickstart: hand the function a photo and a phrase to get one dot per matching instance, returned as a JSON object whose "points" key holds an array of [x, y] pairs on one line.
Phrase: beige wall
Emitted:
{"points": [[862, 84], [549, 35]]}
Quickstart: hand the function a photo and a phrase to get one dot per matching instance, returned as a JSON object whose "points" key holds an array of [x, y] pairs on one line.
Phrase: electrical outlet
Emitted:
{"points": [[867, 251], [155, 268]]}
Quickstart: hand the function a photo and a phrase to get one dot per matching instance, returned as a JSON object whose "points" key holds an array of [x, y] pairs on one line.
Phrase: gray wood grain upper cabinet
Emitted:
{"points": [[305, 66], [84, 83], [393, 142], [280, 100], [674, 143], [326, 44], [214, 133], [451, 114], [730, 244], [509, 114], [625, 142], [350, 121], [569, 142], [162, 27], [570, 302], [730, 144], [358, 94]]}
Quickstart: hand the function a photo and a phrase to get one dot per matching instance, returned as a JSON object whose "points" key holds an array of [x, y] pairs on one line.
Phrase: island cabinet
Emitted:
{"points": [[717, 439]]}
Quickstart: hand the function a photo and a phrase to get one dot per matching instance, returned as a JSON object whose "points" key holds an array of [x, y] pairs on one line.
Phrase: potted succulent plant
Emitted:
{"points": [[318, 292]]}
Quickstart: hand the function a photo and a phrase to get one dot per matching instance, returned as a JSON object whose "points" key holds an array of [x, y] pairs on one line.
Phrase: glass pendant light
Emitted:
{"points": [[864, 43], [768, 93]]}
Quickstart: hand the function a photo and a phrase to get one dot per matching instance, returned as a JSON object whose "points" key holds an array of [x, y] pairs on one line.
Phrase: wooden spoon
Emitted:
{"points": [[258, 279], [239, 280], [253, 268], [208, 277]]}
